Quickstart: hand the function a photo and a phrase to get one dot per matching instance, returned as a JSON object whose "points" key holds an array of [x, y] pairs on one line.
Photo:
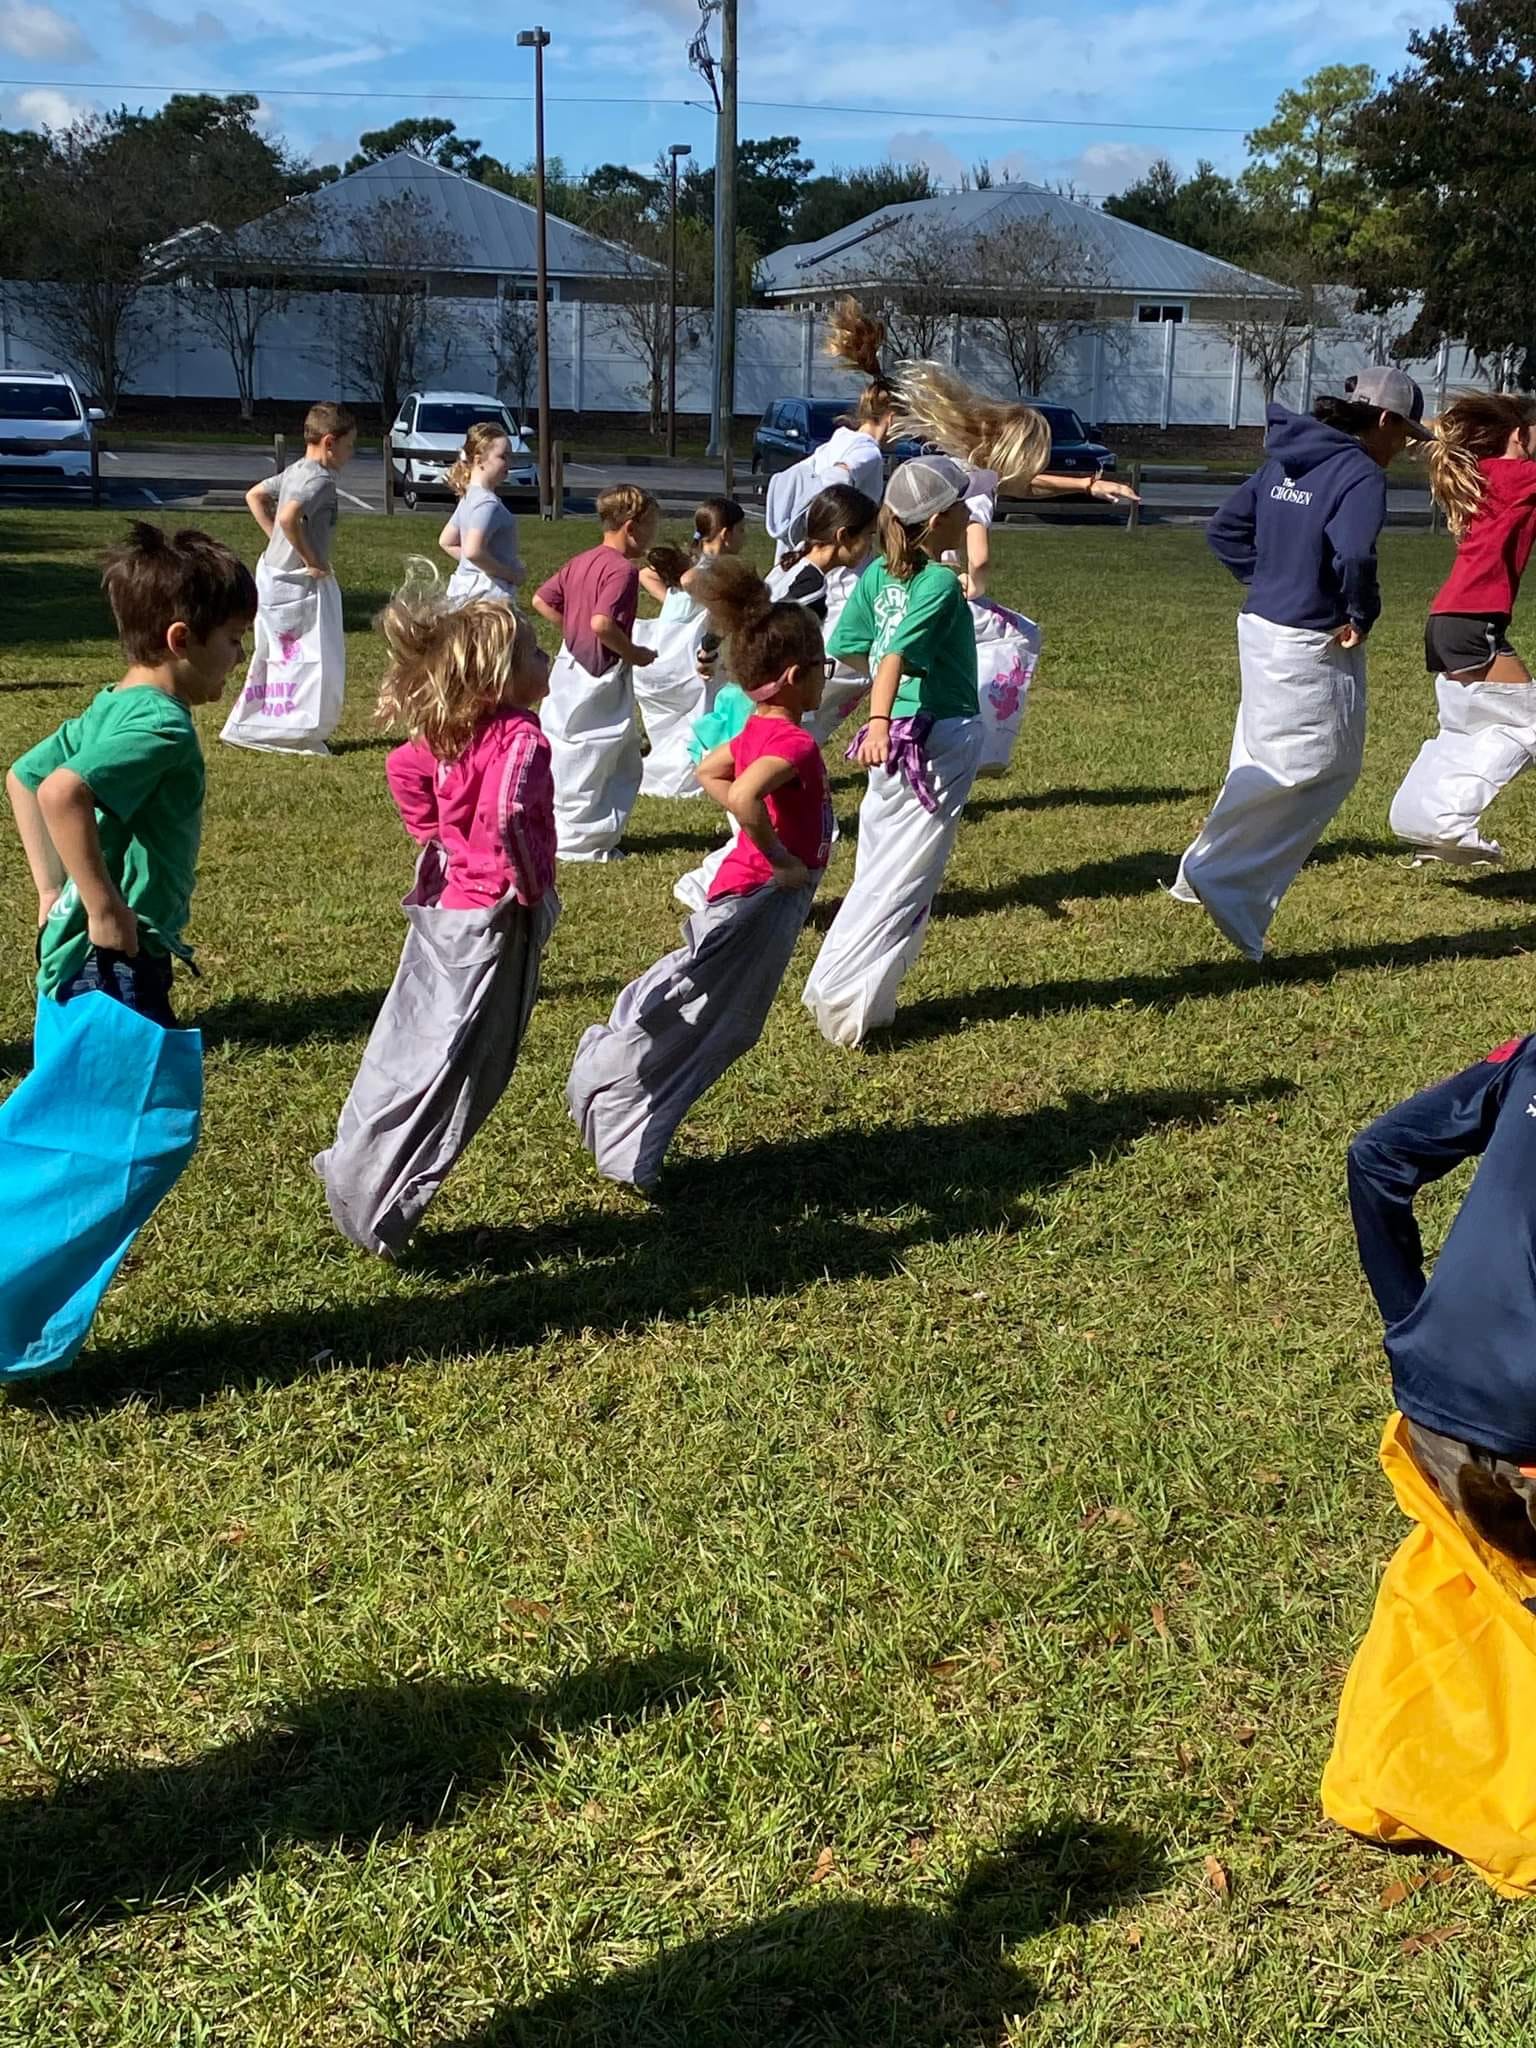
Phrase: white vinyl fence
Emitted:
{"points": [[1126, 372]]}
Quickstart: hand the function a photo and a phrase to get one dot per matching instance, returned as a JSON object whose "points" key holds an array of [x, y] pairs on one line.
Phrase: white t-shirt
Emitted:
{"points": [[980, 502], [481, 511], [311, 486]]}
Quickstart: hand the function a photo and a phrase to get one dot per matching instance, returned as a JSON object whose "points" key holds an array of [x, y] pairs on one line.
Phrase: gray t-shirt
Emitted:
{"points": [[481, 511], [311, 486]]}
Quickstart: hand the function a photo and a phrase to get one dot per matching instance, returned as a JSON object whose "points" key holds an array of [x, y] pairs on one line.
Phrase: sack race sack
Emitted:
{"points": [[90, 1143], [295, 685], [670, 695], [594, 747], [1433, 1739], [438, 1059], [1007, 655], [1487, 737]]}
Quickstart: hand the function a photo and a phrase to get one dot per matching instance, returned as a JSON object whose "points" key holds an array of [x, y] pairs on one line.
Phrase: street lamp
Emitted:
{"points": [[537, 40], [676, 150]]}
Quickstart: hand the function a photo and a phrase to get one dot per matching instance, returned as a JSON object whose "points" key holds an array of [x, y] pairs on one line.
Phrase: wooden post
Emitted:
{"points": [[557, 484], [1133, 516], [389, 476], [96, 466], [727, 463]]}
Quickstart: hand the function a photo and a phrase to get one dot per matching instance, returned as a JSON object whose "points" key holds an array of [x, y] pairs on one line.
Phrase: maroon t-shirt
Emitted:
{"points": [[599, 583]]}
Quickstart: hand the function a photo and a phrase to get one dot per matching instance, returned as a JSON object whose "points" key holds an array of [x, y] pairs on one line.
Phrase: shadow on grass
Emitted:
{"points": [[376, 743], [345, 1768], [1070, 798], [759, 1224], [1501, 885], [847, 1974], [24, 689], [254, 1022], [1001, 1002]]}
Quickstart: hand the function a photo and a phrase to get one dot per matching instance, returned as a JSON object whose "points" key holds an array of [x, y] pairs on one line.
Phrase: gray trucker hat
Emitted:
{"points": [[1391, 390]]}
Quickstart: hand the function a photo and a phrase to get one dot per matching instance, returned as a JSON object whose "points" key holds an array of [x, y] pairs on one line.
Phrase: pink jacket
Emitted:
{"points": [[492, 811]]}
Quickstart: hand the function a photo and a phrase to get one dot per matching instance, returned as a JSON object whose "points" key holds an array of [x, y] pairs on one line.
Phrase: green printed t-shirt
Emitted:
{"points": [[928, 623], [138, 753]]}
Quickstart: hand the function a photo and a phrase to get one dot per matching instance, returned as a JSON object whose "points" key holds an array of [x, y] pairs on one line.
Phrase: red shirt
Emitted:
{"points": [[800, 811], [599, 583], [1491, 558]]}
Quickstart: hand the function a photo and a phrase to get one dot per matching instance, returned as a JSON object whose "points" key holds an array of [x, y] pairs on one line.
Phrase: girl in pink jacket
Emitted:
{"points": [[474, 787]]}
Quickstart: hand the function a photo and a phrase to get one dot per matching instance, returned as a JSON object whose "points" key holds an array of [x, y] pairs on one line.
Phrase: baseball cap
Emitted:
{"points": [[926, 485], [1391, 390]]}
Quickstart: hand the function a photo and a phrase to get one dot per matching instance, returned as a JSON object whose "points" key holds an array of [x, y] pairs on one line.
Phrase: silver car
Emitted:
{"points": [[45, 429], [428, 434]]}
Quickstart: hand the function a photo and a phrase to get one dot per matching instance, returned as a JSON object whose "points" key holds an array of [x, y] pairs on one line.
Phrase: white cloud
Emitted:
{"points": [[41, 34], [164, 33], [338, 60], [922, 146], [1107, 167], [42, 107]]}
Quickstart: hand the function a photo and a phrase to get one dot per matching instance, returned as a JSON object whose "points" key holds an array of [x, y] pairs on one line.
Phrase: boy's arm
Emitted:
{"points": [[546, 610], [1416, 1143], [1230, 532], [290, 519], [42, 855], [68, 808], [744, 801], [258, 502], [1352, 532], [610, 634]]}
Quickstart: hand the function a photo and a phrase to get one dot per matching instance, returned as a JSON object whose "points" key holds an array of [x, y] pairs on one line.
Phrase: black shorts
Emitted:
{"points": [[1457, 641]]}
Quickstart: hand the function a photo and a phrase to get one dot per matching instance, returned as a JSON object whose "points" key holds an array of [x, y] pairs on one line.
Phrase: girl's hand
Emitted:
{"points": [[1118, 494], [875, 745], [46, 899]]}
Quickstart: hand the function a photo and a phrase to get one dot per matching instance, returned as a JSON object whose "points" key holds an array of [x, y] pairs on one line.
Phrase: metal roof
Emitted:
{"points": [[493, 231], [1122, 258]]}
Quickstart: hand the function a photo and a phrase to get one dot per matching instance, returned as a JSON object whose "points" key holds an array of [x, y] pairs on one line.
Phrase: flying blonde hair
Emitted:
{"points": [[450, 665], [856, 338], [936, 405], [478, 443], [1475, 424]]}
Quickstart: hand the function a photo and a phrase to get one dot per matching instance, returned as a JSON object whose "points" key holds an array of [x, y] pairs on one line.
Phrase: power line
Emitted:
{"points": [[510, 99]]}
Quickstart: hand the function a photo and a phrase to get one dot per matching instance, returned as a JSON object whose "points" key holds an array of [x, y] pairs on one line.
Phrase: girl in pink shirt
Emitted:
{"points": [[677, 1029], [473, 785]]}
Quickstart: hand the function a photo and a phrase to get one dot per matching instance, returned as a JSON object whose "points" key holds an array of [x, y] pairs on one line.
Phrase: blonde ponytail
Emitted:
{"points": [[856, 338], [1475, 425], [936, 405], [478, 443]]}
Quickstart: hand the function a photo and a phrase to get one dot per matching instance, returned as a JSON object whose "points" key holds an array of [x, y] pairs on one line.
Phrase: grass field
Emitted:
{"points": [[895, 1590]]}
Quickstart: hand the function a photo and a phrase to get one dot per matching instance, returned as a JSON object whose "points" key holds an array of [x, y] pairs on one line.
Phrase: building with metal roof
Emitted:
{"points": [[484, 240], [1127, 271]]}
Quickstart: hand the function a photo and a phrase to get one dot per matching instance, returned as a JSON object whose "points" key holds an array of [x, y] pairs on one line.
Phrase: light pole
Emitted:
{"points": [[676, 150], [722, 412], [537, 40]]}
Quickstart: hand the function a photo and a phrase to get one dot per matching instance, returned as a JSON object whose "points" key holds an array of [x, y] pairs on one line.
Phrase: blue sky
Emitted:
{"points": [[618, 75]]}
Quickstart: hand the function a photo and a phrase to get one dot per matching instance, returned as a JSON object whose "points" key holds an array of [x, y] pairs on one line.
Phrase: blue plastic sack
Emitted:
{"points": [[90, 1142]]}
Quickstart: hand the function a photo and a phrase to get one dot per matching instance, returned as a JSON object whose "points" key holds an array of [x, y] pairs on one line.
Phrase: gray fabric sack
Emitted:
{"points": [[440, 1055]]}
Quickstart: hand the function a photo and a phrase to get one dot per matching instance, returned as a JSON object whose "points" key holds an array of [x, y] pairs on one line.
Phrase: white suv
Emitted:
{"points": [[428, 435], [45, 430]]}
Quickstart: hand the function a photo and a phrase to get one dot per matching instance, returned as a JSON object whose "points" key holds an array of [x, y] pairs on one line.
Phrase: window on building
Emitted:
{"points": [[1152, 311]]}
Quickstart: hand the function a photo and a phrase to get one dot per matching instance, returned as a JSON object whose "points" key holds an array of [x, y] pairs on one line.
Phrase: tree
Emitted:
{"points": [[396, 333], [433, 137], [827, 204], [514, 345], [1305, 182], [1273, 330], [1447, 143], [769, 177], [1204, 212], [1036, 297], [926, 273], [637, 221]]}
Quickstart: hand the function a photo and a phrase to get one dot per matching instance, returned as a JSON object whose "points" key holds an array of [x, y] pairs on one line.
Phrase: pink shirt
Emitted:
{"points": [[800, 811], [599, 583], [492, 811]]}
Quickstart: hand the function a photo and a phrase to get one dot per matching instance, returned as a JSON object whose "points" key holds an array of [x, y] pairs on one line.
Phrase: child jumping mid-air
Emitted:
{"points": [[294, 689], [909, 625], [590, 717], [473, 786], [677, 1029], [109, 810], [481, 537], [855, 453], [1484, 479]]}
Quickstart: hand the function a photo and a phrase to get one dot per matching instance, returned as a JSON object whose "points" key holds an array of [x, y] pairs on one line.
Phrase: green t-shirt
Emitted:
{"points": [[137, 751], [928, 623]]}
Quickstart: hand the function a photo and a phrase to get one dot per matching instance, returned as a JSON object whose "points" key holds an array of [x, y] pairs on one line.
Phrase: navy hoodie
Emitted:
{"points": [[1462, 1345], [1301, 533]]}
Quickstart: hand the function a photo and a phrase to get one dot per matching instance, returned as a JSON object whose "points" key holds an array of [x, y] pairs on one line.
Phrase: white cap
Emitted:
{"points": [[925, 486]]}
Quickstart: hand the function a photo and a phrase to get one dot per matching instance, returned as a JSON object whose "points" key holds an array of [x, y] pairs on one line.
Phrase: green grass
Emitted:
{"points": [[846, 1603]]}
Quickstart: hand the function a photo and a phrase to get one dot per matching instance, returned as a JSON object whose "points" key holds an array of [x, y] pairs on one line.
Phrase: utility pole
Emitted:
{"points": [[723, 408], [676, 150], [537, 40]]}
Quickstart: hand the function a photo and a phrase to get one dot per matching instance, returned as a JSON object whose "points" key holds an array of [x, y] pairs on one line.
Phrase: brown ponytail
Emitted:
{"points": [[670, 564], [716, 516], [837, 509], [856, 338], [901, 545], [763, 638], [478, 443], [1474, 425]]}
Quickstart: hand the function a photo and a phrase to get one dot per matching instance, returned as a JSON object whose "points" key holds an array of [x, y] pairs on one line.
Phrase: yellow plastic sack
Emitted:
{"points": [[1436, 1739]]}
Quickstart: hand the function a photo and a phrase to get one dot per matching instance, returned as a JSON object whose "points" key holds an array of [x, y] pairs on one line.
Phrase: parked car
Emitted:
{"points": [[428, 434], [46, 429], [1074, 452], [790, 428]]}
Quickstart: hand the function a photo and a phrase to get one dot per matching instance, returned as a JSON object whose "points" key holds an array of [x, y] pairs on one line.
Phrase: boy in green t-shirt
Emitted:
{"points": [[110, 806]]}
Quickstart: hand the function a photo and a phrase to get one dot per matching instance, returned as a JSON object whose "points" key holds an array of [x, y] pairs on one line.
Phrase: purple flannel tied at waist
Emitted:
{"points": [[906, 755]]}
